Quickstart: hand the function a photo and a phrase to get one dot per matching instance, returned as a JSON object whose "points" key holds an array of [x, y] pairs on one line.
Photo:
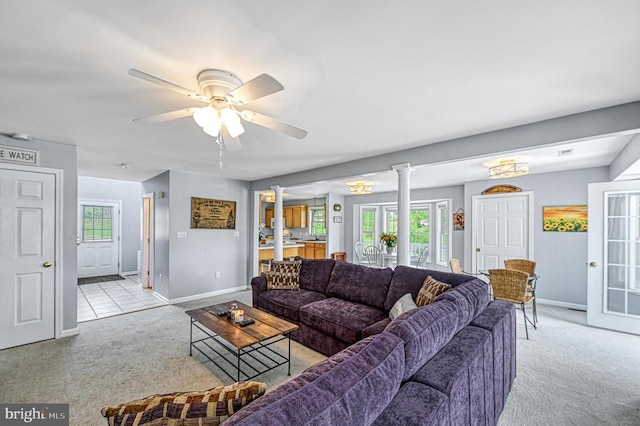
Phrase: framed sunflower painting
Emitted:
{"points": [[564, 218]]}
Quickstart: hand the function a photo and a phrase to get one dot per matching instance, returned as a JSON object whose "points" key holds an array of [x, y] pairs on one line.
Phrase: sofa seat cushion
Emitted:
{"points": [[463, 370], [286, 304], [341, 319], [315, 274], [351, 388], [471, 298], [425, 331], [376, 327], [359, 284], [416, 404]]}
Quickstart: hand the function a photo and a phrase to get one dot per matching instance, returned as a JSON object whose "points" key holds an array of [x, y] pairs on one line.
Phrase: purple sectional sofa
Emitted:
{"points": [[449, 363]]}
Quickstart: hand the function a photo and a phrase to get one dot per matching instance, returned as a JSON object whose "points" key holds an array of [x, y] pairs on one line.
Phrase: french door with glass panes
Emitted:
{"points": [[613, 278]]}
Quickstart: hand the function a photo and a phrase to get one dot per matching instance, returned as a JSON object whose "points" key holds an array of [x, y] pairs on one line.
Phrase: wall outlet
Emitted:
{"points": [[236, 234], [217, 274], [181, 235]]}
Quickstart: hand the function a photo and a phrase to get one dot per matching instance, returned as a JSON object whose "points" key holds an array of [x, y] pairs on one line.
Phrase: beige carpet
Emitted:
{"points": [[122, 358], [568, 373]]}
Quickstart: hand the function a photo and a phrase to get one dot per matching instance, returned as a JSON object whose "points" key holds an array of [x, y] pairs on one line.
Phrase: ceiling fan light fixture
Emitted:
{"points": [[232, 122], [213, 129], [206, 117], [508, 169]]}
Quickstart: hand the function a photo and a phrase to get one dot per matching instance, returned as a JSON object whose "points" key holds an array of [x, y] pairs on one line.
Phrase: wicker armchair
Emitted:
{"points": [[511, 285], [528, 266]]}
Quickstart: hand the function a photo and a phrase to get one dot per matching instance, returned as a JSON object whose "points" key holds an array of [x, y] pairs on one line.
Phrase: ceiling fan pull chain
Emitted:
{"points": [[219, 141]]}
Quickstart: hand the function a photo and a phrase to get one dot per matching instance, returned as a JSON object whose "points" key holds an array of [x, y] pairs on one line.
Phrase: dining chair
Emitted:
{"points": [[423, 257], [511, 286], [358, 251], [374, 257], [528, 266]]}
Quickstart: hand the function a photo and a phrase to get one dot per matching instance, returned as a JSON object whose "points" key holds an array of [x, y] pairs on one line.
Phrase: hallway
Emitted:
{"points": [[102, 300]]}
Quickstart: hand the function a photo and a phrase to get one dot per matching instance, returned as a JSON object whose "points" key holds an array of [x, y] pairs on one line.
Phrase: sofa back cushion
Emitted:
{"points": [[470, 298], [315, 274], [351, 388], [408, 279], [424, 332], [360, 284]]}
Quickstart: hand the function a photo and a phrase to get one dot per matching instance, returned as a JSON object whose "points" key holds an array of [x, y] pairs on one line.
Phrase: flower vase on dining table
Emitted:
{"points": [[390, 249]]}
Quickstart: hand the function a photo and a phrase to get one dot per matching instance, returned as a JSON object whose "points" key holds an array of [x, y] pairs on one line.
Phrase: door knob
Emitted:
{"points": [[47, 264], [593, 264]]}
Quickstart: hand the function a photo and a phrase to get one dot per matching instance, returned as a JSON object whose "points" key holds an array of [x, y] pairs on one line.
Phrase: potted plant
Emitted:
{"points": [[390, 240]]}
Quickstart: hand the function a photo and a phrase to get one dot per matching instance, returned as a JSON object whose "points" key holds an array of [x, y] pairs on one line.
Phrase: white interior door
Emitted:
{"points": [[27, 250], [613, 277], [98, 238], [502, 225]]}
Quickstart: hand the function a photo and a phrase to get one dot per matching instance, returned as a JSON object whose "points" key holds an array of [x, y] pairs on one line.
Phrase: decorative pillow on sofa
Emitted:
{"points": [[209, 408], [284, 275], [430, 290], [404, 304]]}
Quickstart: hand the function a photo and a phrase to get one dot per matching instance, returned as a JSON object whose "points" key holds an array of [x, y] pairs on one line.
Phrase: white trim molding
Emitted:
{"points": [[575, 306], [200, 296]]}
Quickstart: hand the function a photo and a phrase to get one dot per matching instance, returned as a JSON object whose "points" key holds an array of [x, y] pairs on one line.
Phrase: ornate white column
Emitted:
{"points": [[404, 209], [277, 226]]}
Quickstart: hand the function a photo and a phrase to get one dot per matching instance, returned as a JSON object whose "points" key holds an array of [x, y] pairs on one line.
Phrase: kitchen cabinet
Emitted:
{"points": [[314, 251], [268, 215], [294, 216]]}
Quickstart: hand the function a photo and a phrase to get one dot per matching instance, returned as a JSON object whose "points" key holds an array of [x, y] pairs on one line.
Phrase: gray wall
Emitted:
{"points": [[561, 257], [156, 185], [186, 267], [130, 194], [196, 259], [63, 157]]}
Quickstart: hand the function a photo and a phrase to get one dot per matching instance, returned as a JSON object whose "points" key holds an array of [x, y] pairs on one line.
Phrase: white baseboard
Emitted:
{"points": [[200, 296], [129, 273], [562, 304], [70, 332]]}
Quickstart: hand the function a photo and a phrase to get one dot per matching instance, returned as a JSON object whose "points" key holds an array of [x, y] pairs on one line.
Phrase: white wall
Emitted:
{"points": [[160, 185], [561, 257], [130, 195]]}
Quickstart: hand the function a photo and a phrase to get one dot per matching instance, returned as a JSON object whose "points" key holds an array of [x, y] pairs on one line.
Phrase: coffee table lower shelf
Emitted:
{"points": [[263, 356]]}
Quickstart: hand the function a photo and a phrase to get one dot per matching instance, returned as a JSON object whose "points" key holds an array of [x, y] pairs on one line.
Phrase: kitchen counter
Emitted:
{"points": [[288, 250], [270, 246]]}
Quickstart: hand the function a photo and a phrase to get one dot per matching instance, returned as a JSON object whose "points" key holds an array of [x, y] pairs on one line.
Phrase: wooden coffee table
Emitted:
{"points": [[245, 350]]}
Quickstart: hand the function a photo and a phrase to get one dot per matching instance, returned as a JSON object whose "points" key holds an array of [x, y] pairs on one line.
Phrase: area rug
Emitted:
{"points": [[101, 279]]}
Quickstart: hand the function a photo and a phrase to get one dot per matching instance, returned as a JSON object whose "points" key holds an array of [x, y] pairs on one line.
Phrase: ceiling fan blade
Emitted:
{"points": [[155, 80], [230, 144], [257, 88], [167, 116], [273, 124]]}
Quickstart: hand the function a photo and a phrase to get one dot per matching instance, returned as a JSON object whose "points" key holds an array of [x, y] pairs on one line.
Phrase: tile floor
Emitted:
{"points": [[111, 298]]}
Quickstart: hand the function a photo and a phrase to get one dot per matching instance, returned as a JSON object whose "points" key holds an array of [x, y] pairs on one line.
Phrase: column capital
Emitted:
{"points": [[404, 167], [277, 188]]}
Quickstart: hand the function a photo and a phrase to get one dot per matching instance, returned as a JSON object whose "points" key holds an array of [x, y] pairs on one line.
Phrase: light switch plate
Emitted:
{"points": [[181, 235]]}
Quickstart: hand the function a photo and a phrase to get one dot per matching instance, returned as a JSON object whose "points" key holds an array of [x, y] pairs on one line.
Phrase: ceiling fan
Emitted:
{"points": [[226, 96]]}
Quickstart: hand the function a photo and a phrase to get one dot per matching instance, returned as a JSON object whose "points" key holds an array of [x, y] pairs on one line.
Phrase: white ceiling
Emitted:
{"points": [[364, 78]]}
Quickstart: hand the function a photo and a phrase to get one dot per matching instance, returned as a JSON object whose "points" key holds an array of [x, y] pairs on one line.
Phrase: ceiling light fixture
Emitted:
{"points": [[507, 169], [270, 198], [211, 118], [360, 188]]}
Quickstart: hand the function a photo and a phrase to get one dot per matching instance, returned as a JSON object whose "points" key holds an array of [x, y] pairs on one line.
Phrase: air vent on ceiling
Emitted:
{"points": [[564, 152]]}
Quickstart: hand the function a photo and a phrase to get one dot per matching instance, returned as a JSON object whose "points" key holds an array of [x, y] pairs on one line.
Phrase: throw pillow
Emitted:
{"points": [[284, 275], [210, 407], [430, 290], [404, 304]]}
